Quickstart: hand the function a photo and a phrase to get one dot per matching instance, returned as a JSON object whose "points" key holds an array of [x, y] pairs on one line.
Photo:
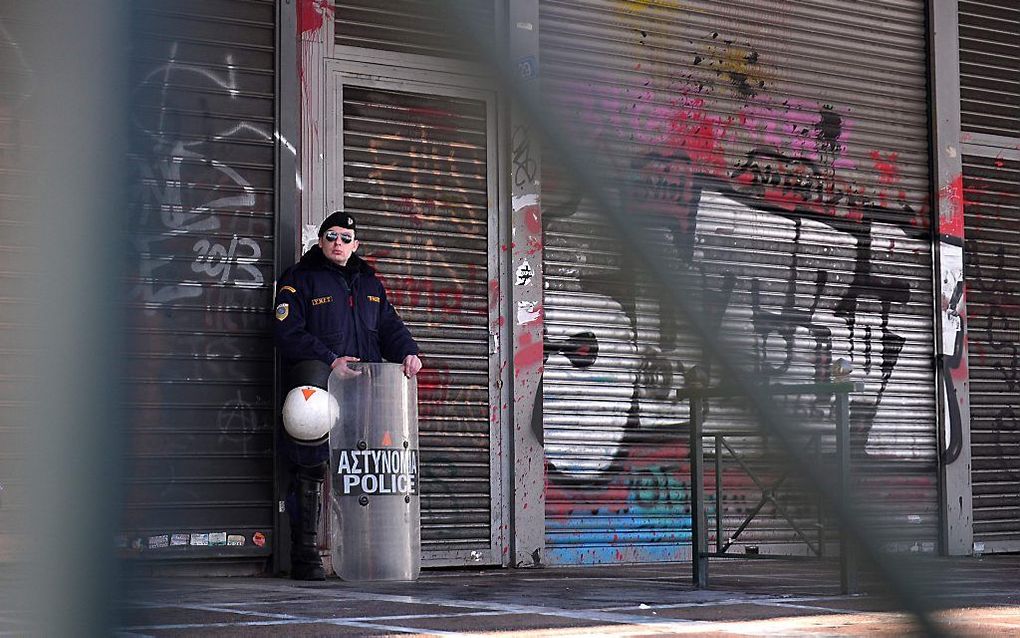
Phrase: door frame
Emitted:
{"points": [[328, 192]]}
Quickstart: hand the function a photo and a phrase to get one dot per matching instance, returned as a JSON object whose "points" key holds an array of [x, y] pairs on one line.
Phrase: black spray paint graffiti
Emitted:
{"points": [[581, 349], [785, 323], [997, 350], [788, 187], [798, 188], [667, 192], [524, 165]]}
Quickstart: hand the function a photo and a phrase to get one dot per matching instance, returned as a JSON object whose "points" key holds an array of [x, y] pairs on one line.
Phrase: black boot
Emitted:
{"points": [[305, 562]]}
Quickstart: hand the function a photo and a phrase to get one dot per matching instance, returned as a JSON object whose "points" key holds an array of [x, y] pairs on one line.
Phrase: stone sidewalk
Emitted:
{"points": [[788, 597]]}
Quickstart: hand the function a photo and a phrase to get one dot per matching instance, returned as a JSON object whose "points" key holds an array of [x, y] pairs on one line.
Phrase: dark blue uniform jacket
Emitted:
{"points": [[319, 316]]}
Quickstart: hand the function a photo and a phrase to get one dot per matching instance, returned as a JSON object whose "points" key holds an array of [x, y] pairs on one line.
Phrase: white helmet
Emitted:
{"points": [[307, 407], [306, 413]]}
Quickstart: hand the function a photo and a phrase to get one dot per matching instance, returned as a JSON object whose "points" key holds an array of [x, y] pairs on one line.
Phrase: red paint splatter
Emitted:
{"points": [[783, 200], [534, 246], [744, 179], [493, 293], [951, 214], [529, 353], [697, 132], [888, 171], [532, 216], [312, 14]]}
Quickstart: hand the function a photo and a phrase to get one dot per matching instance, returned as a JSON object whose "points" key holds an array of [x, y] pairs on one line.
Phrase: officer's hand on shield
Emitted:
{"points": [[412, 364], [340, 366]]}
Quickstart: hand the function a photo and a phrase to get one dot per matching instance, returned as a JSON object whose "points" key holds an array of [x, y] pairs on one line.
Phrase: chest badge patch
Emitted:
{"points": [[318, 301], [373, 298], [282, 311]]}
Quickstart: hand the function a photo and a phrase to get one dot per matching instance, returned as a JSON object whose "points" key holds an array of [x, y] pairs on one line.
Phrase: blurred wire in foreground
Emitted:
{"points": [[590, 177], [64, 119]]}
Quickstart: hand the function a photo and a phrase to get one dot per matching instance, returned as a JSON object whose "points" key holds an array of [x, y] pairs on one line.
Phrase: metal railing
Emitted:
{"points": [[698, 396]]}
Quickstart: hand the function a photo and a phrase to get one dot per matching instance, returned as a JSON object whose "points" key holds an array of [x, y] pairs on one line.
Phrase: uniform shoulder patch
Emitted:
{"points": [[282, 311], [288, 289], [373, 298]]}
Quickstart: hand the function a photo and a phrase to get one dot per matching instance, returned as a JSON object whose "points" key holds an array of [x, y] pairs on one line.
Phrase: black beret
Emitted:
{"points": [[338, 218]]}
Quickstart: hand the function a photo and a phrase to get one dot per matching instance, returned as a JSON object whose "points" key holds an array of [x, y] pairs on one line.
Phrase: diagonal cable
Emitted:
{"points": [[590, 180]]}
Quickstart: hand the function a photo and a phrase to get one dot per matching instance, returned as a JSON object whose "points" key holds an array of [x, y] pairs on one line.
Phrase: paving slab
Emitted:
{"points": [[794, 597]]}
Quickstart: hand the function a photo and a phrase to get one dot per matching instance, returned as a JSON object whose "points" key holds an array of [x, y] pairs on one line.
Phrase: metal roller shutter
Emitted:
{"points": [[416, 176], [200, 375], [989, 68], [990, 119], [992, 270], [781, 148], [409, 26]]}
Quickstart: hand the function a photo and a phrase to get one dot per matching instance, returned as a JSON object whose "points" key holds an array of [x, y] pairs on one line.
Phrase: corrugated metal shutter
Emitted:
{"points": [[200, 376], [992, 272], [415, 173], [781, 148], [990, 112], [989, 68], [18, 302], [410, 26]]}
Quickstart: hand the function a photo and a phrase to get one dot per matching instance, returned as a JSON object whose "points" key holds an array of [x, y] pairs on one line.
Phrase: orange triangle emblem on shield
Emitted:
{"points": [[386, 440], [308, 392]]}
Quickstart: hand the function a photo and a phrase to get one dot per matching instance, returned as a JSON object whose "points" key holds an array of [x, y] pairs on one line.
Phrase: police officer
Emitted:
{"points": [[331, 310]]}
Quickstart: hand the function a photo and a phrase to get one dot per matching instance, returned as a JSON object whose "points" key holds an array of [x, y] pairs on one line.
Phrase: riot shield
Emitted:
{"points": [[375, 511]]}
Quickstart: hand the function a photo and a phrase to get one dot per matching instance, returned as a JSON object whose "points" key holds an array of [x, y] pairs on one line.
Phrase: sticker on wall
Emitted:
{"points": [[952, 295], [258, 539], [527, 311], [159, 542], [218, 538], [524, 274], [235, 540], [200, 540], [178, 540]]}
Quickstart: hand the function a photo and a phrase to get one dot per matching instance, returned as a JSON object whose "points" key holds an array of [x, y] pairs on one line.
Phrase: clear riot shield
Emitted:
{"points": [[375, 511]]}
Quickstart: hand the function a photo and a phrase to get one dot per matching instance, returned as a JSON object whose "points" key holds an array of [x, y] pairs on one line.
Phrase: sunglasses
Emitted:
{"points": [[331, 236]]}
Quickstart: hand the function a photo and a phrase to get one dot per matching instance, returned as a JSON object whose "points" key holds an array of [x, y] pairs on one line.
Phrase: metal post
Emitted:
{"points": [[699, 541], [947, 150], [718, 493], [288, 206], [820, 507], [847, 564], [524, 235]]}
